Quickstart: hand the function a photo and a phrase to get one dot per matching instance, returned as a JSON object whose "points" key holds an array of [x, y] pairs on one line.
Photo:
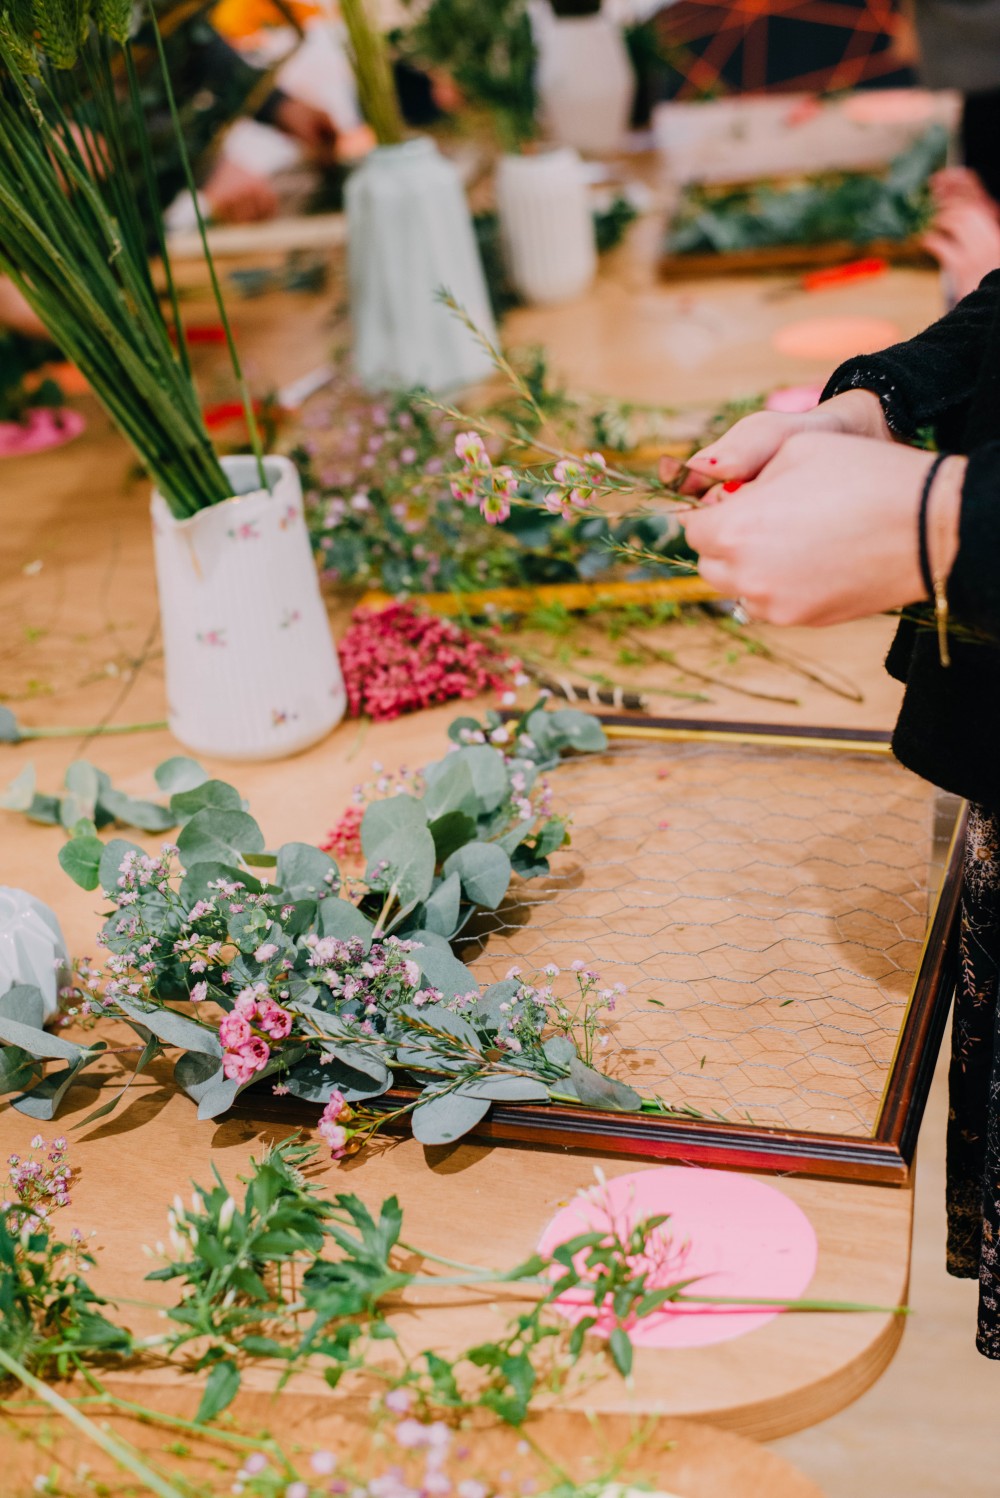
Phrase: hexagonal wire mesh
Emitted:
{"points": [[766, 908]]}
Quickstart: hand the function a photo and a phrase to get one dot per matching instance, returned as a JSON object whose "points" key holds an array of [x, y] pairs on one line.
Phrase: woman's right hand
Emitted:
{"points": [[746, 449]]}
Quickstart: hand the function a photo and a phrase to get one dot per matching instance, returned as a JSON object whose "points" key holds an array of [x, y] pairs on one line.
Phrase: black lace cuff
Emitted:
{"points": [[872, 374]]}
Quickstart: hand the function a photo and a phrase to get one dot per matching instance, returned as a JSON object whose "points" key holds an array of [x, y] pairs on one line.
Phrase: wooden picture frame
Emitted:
{"points": [[886, 1156]]}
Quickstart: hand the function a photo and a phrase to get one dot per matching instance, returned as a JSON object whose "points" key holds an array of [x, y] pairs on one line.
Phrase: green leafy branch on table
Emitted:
{"points": [[859, 207], [288, 1279]]}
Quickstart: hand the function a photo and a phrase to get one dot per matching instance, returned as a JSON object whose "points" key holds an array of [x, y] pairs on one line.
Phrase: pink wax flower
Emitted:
{"points": [[469, 447], [494, 508], [274, 1020], [234, 1031]]}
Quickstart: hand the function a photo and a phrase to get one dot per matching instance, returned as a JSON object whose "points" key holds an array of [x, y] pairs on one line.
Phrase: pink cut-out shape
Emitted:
{"points": [[41, 430], [794, 400], [734, 1235], [834, 339]]}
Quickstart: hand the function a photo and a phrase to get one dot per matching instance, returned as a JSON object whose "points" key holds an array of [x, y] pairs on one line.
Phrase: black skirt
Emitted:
{"points": [[974, 1083]]}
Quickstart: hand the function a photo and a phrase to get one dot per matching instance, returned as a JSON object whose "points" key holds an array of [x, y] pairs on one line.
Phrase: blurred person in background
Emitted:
{"points": [[959, 48]]}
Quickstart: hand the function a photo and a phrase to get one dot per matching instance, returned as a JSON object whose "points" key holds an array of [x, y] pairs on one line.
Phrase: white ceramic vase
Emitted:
{"points": [[32, 949], [410, 235], [585, 79], [251, 670], [546, 225]]}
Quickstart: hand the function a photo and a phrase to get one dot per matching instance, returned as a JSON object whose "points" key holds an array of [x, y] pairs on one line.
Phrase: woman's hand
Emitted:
{"points": [[828, 531], [750, 445]]}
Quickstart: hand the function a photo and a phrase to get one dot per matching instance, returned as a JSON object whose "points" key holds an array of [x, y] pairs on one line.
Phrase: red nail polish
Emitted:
{"points": [[731, 485]]}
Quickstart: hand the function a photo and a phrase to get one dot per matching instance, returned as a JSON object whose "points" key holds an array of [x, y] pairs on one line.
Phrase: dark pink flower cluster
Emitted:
{"points": [[344, 838], [242, 1032], [397, 660]]}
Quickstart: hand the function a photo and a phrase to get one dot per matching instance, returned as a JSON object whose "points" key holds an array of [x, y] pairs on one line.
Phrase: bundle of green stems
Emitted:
{"points": [[79, 215]]}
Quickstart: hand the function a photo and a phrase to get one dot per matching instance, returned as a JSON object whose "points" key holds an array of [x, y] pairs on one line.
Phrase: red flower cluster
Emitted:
{"points": [[397, 660], [344, 839]]}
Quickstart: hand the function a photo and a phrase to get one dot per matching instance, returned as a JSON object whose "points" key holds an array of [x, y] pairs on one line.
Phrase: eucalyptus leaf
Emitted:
{"points": [[489, 774], [149, 816], [18, 1069], [37, 1042], [214, 836], [503, 1088], [81, 858], [173, 1028], [581, 731], [597, 1091], [21, 791], [316, 1080], [44, 809], [444, 971], [487, 1013], [441, 908], [24, 1003], [388, 820], [450, 788], [410, 1026], [409, 859], [450, 832], [441, 1118], [484, 870], [10, 733], [195, 884], [83, 781], [303, 871], [204, 1081], [179, 774], [343, 920], [42, 1102], [109, 869], [560, 1049], [217, 793]]}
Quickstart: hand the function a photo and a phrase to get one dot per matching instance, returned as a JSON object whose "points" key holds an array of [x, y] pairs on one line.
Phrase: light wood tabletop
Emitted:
{"points": [[78, 621]]}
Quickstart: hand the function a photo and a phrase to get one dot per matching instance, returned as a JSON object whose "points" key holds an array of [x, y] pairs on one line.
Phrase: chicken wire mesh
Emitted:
{"points": [[766, 909]]}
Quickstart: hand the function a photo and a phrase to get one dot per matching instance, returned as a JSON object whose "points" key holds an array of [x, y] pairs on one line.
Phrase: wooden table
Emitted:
{"points": [[79, 646]]}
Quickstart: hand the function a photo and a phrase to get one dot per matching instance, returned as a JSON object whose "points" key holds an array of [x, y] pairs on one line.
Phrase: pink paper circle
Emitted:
{"points": [[736, 1235], [793, 400], [834, 339], [41, 430]]}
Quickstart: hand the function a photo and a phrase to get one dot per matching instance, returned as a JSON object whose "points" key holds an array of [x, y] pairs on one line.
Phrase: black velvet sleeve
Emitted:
{"points": [[929, 380]]}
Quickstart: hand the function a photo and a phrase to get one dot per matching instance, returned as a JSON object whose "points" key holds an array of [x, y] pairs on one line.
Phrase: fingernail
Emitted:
{"points": [[731, 485]]}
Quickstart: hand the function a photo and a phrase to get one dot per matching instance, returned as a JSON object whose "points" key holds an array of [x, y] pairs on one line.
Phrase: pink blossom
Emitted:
{"points": [[274, 1020], [265, 952], [234, 1031], [237, 1067], [469, 447], [198, 993], [494, 508]]}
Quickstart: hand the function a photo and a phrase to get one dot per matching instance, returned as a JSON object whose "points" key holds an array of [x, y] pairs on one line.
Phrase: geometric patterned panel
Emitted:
{"points": [[745, 46]]}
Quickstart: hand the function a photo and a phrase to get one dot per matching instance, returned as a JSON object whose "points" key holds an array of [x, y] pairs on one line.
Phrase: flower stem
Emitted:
{"points": [[108, 1443]]}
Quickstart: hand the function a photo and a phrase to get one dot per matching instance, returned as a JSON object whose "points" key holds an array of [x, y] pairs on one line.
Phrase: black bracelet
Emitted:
{"points": [[925, 494]]}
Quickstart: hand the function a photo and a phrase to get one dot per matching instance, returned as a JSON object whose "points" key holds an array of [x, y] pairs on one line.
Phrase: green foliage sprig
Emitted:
{"points": [[858, 207], [281, 1275]]}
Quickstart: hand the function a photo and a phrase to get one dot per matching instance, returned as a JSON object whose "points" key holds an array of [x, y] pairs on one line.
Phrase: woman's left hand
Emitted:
{"points": [[828, 531]]}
